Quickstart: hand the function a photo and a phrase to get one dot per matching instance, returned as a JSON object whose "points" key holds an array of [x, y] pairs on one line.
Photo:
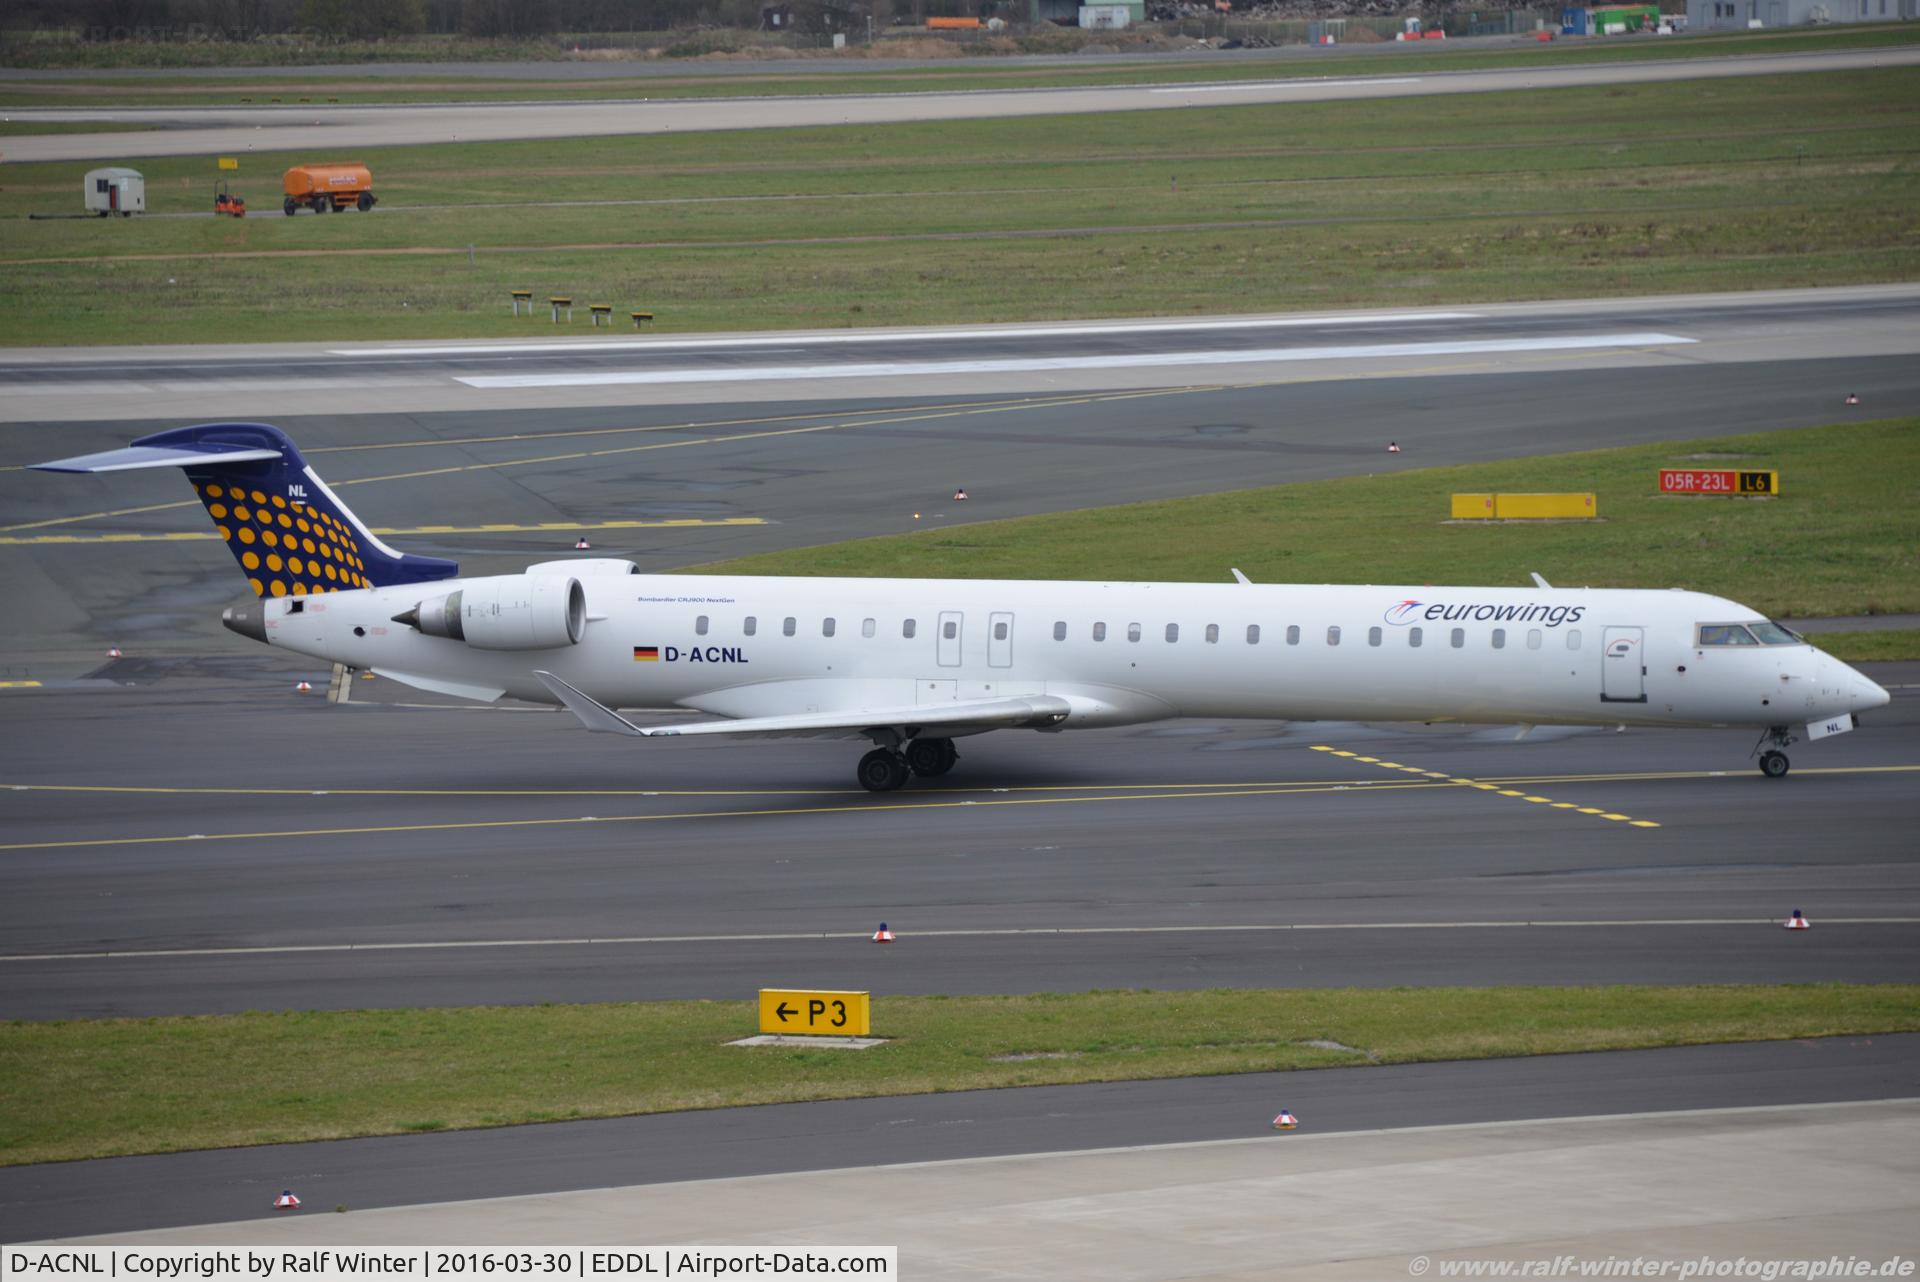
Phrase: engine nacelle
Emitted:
{"points": [[509, 612], [586, 567]]}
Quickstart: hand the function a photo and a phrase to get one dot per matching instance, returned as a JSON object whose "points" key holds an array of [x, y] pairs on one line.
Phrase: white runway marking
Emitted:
{"points": [[270, 949], [941, 335], [1267, 86], [901, 369]]}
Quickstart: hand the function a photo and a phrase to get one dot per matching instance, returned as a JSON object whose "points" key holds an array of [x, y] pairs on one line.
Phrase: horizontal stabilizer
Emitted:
{"points": [[1035, 711], [137, 456]]}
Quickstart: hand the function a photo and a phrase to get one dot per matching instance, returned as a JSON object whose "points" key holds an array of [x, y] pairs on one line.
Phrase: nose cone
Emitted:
{"points": [[1867, 694]]}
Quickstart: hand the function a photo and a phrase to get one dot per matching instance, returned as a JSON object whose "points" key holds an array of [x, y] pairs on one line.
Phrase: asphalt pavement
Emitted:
{"points": [[134, 1193]]}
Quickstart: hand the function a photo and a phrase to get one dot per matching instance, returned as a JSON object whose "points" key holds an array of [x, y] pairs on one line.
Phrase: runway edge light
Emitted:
{"points": [[883, 935], [1285, 1122], [286, 1201], [1797, 922]]}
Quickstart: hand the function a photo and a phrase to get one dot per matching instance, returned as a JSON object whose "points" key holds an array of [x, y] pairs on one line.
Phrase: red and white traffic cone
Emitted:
{"points": [[1797, 922], [286, 1201], [303, 688], [581, 545], [1853, 398], [1285, 1122], [1393, 447], [960, 495], [113, 652], [883, 935]]}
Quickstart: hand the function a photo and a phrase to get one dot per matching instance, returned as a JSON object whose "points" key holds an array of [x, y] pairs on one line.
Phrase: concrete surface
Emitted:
{"points": [[1626, 340], [861, 1154], [1791, 1183], [320, 127]]}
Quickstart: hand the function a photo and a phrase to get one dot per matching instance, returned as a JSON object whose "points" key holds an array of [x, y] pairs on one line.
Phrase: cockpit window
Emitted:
{"points": [[1771, 633], [1725, 634]]}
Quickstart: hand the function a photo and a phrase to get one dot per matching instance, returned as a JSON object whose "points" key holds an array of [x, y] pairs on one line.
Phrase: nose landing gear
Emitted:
{"points": [[1773, 762]]}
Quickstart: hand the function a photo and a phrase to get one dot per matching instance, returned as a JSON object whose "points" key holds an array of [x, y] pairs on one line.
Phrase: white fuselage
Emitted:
{"points": [[1120, 653]]}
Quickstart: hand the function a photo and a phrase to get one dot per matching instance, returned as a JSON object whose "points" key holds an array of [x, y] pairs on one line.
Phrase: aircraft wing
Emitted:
{"points": [[1030, 711]]}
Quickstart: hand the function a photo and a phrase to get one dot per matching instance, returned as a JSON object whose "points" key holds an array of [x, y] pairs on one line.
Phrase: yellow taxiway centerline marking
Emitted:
{"points": [[1481, 785], [870, 809], [19, 685]]}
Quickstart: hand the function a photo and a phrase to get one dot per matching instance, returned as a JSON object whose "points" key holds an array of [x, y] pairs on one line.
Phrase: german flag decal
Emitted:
{"points": [[646, 654]]}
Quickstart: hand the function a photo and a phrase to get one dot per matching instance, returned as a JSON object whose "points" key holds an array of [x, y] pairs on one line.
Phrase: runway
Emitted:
{"points": [[533, 378], [1185, 1165], [238, 129], [416, 856]]}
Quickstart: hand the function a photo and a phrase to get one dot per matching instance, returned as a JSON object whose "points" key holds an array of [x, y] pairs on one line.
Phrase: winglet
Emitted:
{"points": [[1239, 577], [1539, 582], [593, 714]]}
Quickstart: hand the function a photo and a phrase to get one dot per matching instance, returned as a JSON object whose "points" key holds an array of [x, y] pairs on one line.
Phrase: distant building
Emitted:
{"points": [[1739, 15]]}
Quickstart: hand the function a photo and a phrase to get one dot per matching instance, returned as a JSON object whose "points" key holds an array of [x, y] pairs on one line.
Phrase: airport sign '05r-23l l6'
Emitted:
{"points": [[911, 665]]}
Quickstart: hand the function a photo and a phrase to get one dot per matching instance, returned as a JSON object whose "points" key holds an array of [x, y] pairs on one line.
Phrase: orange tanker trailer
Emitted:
{"points": [[323, 188]]}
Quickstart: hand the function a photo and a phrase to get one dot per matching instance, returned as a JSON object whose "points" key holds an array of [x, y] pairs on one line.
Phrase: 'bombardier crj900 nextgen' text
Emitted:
{"points": [[913, 664]]}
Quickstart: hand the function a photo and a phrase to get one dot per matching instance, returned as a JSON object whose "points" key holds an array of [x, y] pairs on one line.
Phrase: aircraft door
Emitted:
{"points": [[999, 640], [949, 641], [1623, 669]]}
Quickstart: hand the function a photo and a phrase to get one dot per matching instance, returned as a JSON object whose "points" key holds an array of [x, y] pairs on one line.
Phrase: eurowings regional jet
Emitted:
{"points": [[913, 664]]}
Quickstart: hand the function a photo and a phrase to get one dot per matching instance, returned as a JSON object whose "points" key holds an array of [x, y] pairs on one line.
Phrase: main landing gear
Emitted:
{"points": [[885, 769], [1773, 762]]}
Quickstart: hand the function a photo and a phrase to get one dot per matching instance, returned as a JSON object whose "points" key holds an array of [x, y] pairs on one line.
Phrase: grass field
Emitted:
{"points": [[1776, 181], [94, 1088], [1870, 647], [1844, 537], [790, 77]]}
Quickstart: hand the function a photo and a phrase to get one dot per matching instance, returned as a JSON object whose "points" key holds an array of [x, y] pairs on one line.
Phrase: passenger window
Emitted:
{"points": [[1573, 638], [1373, 636], [1099, 632], [1213, 634], [950, 629], [1333, 635], [1060, 630], [749, 625], [1253, 634], [787, 626], [700, 626], [1499, 638], [1173, 632], [907, 627], [1133, 632], [1293, 634], [826, 627], [999, 632], [1533, 638], [1414, 637], [867, 627], [1459, 637]]}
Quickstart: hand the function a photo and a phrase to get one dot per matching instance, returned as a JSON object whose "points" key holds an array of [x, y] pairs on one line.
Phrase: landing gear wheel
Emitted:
{"points": [[1774, 764], [882, 770], [929, 758]]}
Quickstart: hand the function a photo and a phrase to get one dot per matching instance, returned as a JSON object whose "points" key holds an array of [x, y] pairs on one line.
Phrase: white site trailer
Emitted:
{"points": [[116, 191]]}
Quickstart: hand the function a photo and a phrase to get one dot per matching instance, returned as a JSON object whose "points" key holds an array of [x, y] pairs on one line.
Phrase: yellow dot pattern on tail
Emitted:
{"points": [[286, 548]]}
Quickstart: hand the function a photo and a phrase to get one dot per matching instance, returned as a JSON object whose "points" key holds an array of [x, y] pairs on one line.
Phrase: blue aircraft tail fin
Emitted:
{"points": [[291, 534]]}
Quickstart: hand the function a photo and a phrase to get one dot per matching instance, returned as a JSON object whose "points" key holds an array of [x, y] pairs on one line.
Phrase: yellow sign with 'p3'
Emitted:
{"points": [[815, 1014], [229, 162]]}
